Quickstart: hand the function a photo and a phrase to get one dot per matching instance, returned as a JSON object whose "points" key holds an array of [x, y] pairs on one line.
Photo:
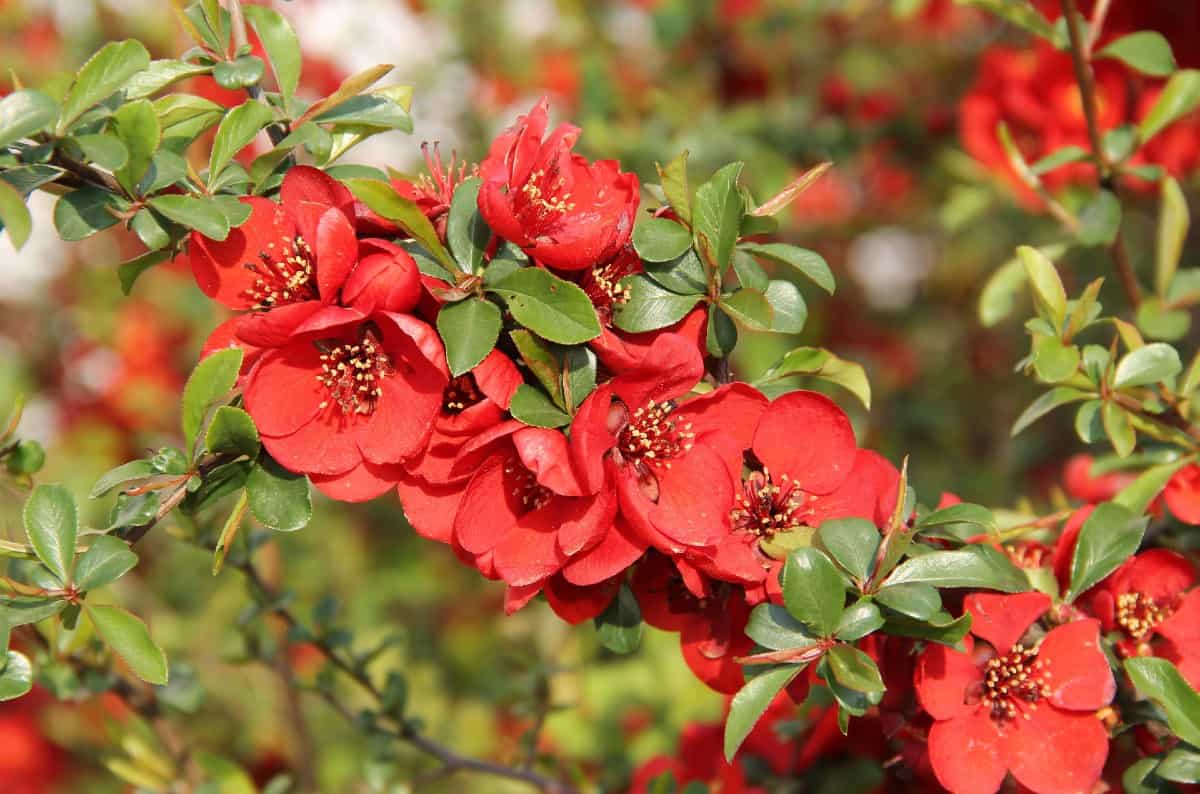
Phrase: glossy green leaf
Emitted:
{"points": [[239, 127], [105, 561], [1180, 766], [1100, 219], [278, 498], [281, 45], [533, 407], [1109, 536], [1048, 289], [160, 74], [552, 308], [81, 213], [1054, 361], [683, 275], [202, 214], [25, 113], [1149, 364], [808, 263], [14, 215], [16, 676], [231, 432], [1118, 428], [1156, 321], [717, 213], [1160, 681], [813, 590], [129, 638], [1179, 97], [52, 523], [104, 73], [977, 566], [661, 239], [749, 272], [962, 513], [858, 621], [136, 125], [651, 307], [751, 702], [820, 363], [1056, 397], [789, 312], [1145, 51], [129, 272], [578, 375], [106, 151], [750, 308], [469, 330], [852, 542], [854, 669], [211, 380], [772, 627], [918, 601], [1137, 495], [466, 232], [382, 198], [674, 180], [619, 627], [721, 334]]}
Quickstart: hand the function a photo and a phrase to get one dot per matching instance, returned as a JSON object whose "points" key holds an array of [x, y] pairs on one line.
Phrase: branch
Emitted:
{"points": [[451, 762], [1080, 55]]}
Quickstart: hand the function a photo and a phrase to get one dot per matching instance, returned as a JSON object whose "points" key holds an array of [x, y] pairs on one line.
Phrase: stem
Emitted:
{"points": [[1099, 14], [1087, 90], [237, 20], [451, 761]]}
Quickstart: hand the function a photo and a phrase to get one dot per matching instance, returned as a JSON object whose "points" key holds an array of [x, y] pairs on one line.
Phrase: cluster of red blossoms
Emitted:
{"points": [[685, 488]]}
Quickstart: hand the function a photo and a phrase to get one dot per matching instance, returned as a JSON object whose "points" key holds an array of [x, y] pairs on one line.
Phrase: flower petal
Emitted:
{"points": [[363, 482], [488, 509], [942, 678], [1002, 619], [734, 408], [807, 436], [219, 267], [283, 393], [1057, 751], [545, 453], [616, 552], [430, 507], [694, 498], [967, 753], [1076, 668], [577, 604]]}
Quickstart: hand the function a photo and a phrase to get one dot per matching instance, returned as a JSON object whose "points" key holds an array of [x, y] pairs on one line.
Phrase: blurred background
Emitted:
{"points": [[915, 215]]}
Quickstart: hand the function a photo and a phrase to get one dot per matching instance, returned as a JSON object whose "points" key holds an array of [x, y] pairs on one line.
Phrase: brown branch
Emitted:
{"points": [[1080, 55]]}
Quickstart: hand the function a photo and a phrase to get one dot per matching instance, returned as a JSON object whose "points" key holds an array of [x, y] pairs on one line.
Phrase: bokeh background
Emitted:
{"points": [[913, 218]]}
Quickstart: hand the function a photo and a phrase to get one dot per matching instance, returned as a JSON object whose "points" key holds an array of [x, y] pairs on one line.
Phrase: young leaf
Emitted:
{"points": [[238, 128], [674, 180], [661, 239], [1173, 223], [1146, 51], [212, 379], [750, 308], [852, 542], [1054, 361], [1056, 397], [552, 308], [813, 591], [466, 232], [718, 213], [469, 330], [789, 312], [808, 263], [382, 198], [797, 186], [51, 523], [1160, 681], [14, 215], [105, 561], [102, 75], [1150, 364], [1180, 96], [619, 627], [1118, 428], [127, 635], [1109, 536], [24, 113], [854, 669], [278, 498], [1048, 289], [231, 431], [202, 214], [976, 566], [281, 45], [750, 703], [16, 676]]}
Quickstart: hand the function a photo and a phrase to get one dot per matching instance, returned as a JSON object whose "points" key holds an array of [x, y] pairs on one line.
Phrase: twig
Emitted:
{"points": [[1087, 89], [1099, 14]]}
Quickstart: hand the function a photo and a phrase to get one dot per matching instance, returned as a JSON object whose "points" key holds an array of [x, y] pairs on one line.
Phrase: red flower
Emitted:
{"points": [[561, 210], [1080, 484], [1004, 706], [434, 191], [348, 399], [1182, 494], [1153, 596]]}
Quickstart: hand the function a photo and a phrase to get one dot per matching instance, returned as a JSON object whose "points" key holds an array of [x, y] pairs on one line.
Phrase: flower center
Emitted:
{"points": [[652, 436], [1138, 614], [284, 274], [1014, 681], [545, 199], [523, 484], [603, 284], [765, 507], [460, 394], [352, 374]]}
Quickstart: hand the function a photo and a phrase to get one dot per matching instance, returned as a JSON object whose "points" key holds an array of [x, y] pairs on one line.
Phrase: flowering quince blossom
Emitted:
{"points": [[1011, 705], [564, 212]]}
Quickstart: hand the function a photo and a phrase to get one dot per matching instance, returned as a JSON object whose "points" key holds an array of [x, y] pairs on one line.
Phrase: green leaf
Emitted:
{"points": [[813, 591], [1160, 681], [963, 513], [852, 542], [1137, 495], [661, 240], [533, 407], [103, 74], [136, 125], [542, 362], [237, 130], [1180, 97], [820, 363], [281, 45], [382, 198], [772, 627], [918, 601], [1109, 536], [160, 74], [650, 306], [23, 610], [1048, 289], [942, 628], [552, 308], [718, 213], [243, 71], [1088, 424], [750, 308], [1156, 321], [1173, 220], [212, 379], [674, 180], [1053, 360], [1056, 397], [16, 677], [808, 263], [619, 627], [25, 113], [127, 635], [793, 189], [129, 272], [231, 431], [14, 215], [374, 111], [1180, 766], [81, 213], [1119, 143], [998, 296], [1146, 51], [578, 376], [229, 531], [683, 275], [225, 777], [789, 312], [749, 272], [751, 702], [278, 498], [469, 330], [1100, 219], [976, 566], [466, 231], [1118, 428], [1150, 364], [106, 151], [854, 669], [51, 523], [202, 214], [133, 470], [858, 621], [1021, 14], [105, 561], [1064, 156]]}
